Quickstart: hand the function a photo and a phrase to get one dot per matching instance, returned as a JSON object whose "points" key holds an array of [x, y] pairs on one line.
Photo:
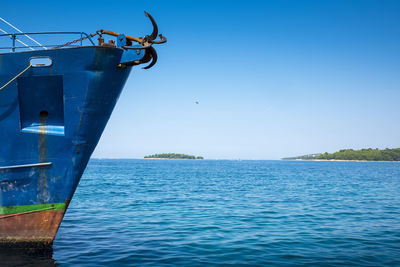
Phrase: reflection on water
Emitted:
{"points": [[26, 256]]}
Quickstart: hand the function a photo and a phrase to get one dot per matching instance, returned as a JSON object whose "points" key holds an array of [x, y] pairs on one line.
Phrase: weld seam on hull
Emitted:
{"points": [[26, 165], [15, 210], [22, 213]]}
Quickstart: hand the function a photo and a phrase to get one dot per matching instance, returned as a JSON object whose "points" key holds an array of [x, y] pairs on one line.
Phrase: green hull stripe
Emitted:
{"points": [[32, 208]]}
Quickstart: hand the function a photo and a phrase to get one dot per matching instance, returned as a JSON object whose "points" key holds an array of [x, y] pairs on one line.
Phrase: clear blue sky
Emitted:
{"points": [[272, 78]]}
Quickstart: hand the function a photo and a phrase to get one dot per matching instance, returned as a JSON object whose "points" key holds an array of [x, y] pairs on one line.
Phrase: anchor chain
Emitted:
{"points": [[80, 39]]}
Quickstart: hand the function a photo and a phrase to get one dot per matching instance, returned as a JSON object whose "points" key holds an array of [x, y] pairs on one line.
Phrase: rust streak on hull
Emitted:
{"points": [[42, 185]]}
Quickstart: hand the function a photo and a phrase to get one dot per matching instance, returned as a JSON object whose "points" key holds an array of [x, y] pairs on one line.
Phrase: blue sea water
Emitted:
{"points": [[220, 212]]}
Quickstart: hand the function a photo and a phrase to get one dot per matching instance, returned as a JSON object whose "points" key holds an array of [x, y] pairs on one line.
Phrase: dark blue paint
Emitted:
{"points": [[41, 93], [78, 91]]}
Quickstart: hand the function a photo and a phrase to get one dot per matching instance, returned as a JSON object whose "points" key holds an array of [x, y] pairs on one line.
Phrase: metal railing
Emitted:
{"points": [[14, 38]]}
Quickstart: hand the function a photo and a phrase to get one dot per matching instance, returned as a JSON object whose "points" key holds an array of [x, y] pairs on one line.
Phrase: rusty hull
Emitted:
{"points": [[40, 227]]}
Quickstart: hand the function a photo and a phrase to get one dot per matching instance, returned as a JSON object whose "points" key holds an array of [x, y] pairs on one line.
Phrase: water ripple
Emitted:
{"points": [[218, 213]]}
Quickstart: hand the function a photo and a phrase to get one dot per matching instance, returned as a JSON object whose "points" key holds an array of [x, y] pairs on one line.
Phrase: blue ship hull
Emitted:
{"points": [[51, 119], [54, 105]]}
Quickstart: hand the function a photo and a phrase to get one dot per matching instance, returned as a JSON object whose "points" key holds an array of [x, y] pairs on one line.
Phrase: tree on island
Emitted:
{"points": [[368, 154], [172, 156]]}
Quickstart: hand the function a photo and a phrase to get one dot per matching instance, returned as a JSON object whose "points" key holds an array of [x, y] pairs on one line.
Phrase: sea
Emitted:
{"points": [[132, 212]]}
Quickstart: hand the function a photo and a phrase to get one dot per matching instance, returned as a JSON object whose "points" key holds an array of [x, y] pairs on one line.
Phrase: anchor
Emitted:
{"points": [[145, 43]]}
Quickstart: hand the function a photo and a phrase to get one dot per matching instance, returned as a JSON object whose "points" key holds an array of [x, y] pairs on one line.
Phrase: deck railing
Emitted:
{"points": [[15, 37]]}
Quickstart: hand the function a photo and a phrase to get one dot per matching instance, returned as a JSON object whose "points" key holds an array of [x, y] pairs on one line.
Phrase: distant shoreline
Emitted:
{"points": [[170, 159], [349, 160], [360, 155], [172, 156]]}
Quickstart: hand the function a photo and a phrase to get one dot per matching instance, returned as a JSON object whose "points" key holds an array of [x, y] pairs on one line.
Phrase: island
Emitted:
{"points": [[171, 156], [366, 154]]}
